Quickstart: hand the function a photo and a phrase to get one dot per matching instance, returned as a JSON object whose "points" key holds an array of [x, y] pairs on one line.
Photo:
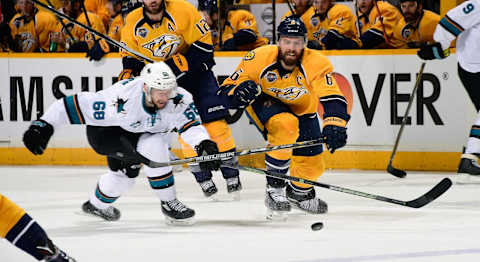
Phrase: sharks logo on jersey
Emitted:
{"points": [[119, 104], [163, 46], [290, 93]]}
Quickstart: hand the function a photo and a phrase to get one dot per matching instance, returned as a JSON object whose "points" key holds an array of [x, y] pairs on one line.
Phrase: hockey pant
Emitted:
{"points": [[123, 171], [280, 126]]}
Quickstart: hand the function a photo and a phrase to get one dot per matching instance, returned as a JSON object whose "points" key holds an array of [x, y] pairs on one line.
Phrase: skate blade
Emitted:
{"points": [[277, 215], [467, 179], [82, 213], [179, 222]]}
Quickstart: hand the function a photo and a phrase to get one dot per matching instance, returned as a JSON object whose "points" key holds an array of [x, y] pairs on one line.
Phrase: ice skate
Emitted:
{"points": [[109, 214], [234, 186], [55, 254], [209, 189], [176, 213], [276, 203], [468, 170], [304, 199]]}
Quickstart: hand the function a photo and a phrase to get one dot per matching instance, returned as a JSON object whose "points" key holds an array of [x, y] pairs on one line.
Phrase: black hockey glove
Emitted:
{"points": [[37, 136], [229, 45], [334, 131], [208, 147], [246, 92], [314, 44], [335, 137], [433, 51], [98, 50]]}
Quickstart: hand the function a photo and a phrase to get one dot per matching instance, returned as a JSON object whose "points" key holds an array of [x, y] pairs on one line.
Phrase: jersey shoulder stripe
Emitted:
{"points": [[451, 26], [73, 110]]}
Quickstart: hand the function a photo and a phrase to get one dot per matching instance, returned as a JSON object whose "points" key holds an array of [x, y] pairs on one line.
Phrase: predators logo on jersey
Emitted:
{"points": [[28, 41], [290, 93], [164, 46], [180, 26]]}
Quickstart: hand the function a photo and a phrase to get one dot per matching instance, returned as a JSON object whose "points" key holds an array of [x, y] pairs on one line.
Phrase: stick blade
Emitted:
{"points": [[431, 195], [396, 172]]}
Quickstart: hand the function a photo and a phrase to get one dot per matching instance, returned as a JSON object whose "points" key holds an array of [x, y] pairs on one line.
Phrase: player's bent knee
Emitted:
{"points": [[282, 129], [221, 133]]}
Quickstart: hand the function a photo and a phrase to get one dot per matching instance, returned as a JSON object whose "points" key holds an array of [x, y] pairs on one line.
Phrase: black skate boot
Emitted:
{"points": [[276, 203], [209, 189], [109, 214], [469, 169], [234, 184], [54, 254], [176, 213], [304, 199]]}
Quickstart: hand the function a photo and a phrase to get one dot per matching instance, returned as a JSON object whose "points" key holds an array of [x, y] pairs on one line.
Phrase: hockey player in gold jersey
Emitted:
{"points": [[174, 31], [281, 87], [32, 28], [239, 33], [416, 27], [332, 26], [377, 21], [83, 41], [18, 228]]}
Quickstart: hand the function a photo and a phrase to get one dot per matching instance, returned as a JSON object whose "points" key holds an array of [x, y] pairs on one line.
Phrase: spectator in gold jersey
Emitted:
{"points": [[416, 27]]}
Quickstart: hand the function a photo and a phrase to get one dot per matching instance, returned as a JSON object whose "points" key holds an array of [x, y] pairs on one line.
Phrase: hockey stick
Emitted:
{"points": [[419, 202], [219, 156], [91, 30], [390, 169]]}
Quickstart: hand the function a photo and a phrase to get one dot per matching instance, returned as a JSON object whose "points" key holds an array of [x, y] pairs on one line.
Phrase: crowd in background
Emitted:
{"points": [[27, 27]]}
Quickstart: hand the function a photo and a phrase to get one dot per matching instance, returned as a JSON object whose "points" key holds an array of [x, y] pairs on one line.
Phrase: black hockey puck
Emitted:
{"points": [[317, 226]]}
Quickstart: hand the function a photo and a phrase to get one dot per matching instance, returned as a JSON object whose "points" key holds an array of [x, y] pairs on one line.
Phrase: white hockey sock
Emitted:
{"points": [[473, 144], [110, 187]]}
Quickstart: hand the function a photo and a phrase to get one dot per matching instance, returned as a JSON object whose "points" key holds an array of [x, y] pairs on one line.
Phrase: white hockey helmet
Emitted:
{"points": [[159, 76]]}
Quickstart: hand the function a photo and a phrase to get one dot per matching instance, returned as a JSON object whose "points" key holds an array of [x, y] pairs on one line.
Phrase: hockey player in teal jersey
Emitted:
{"points": [[134, 113], [463, 24]]}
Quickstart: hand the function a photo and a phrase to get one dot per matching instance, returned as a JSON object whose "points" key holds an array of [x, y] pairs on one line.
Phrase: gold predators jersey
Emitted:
{"points": [[180, 27], [10, 214], [242, 20], [99, 8], [338, 18], [299, 89], [81, 34], [57, 4], [35, 33], [382, 19], [115, 27], [421, 32]]}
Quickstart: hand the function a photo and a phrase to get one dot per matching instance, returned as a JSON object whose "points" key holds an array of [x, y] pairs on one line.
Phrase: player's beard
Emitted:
{"points": [[290, 57], [153, 10], [412, 17]]}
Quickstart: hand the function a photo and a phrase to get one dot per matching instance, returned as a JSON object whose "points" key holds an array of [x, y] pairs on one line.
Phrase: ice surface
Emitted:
{"points": [[356, 228]]}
